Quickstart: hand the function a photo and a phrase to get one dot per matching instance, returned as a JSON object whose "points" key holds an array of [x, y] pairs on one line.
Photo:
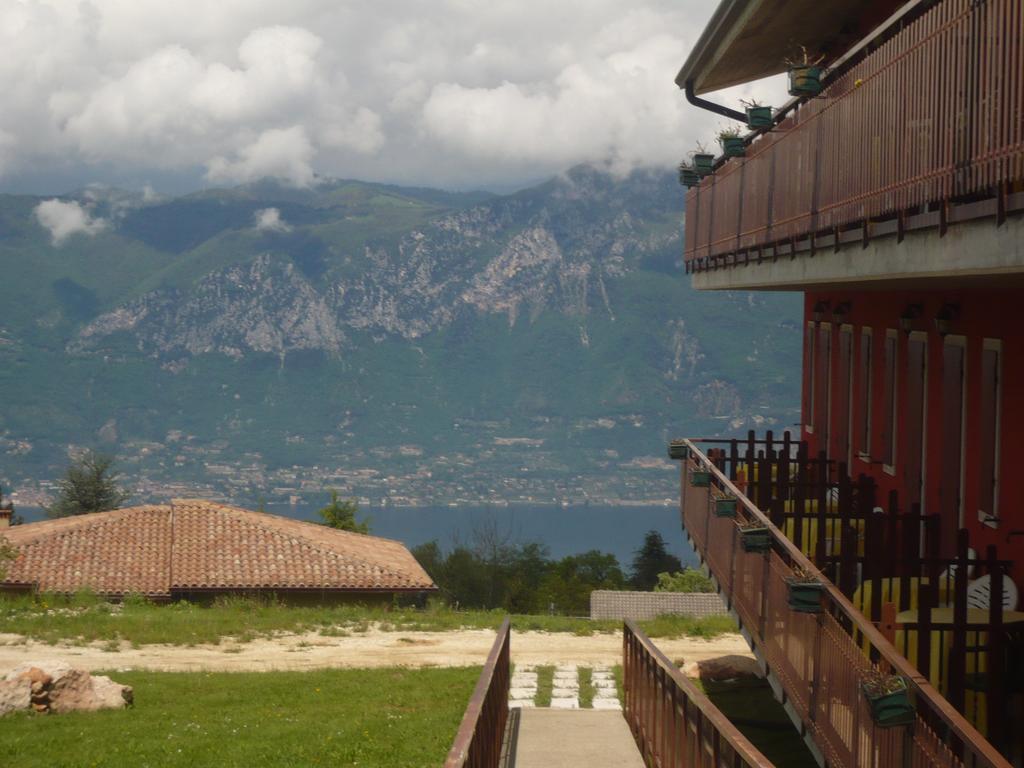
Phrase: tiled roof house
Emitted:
{"points": [[191, 548]]}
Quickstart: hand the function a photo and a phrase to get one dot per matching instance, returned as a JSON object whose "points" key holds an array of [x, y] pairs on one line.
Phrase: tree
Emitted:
{"points": [[342, 515], [89, 485], [651, 559], [688, 580]]}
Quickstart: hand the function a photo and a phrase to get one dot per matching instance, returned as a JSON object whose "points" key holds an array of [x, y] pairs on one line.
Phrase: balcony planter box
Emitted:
{"points": [[689, 177], [804, 595], [703, 163], [888, 700], [759, 117], [755, 539], [733, 146], [805, 81], [677, 451], [725, 507], [700, 478]]}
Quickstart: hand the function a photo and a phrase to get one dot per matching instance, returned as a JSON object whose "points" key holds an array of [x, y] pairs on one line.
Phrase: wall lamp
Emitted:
{"points": [[910, 314], [945, 317], [841, 311], [819, 310]]}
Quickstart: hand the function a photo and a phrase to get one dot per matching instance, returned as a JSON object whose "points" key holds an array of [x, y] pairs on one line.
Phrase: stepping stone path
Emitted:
{"points": [[565, 691], [605, 695], [522, 687]]}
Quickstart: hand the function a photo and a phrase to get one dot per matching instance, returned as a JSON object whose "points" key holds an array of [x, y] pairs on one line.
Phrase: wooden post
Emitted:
{"points": [[996, 699]]}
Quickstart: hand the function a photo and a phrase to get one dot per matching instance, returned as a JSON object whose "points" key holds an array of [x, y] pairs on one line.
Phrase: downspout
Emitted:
{"points": [[710, 106]]}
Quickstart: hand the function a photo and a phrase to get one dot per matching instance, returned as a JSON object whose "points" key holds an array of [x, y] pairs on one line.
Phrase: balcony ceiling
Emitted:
{"points": [[749, 39]]}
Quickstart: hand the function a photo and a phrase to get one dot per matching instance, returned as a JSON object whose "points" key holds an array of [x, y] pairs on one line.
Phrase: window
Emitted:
{"points": [[889, 403], [954, 350], [864, 394], [809, 374], [844, 396], [915, 407], [823, 394], [991, 374]]}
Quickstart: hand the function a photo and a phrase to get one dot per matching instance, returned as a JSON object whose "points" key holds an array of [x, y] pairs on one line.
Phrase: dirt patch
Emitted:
{"points": [[373, 648]]}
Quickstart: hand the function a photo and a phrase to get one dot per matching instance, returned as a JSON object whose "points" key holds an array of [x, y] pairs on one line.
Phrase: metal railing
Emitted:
{"points": [[819, 659], [478, 743], [673, 723], [934, 114]]}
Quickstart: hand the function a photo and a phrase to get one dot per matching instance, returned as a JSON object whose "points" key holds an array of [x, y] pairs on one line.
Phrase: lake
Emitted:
{"points": [[563, 530]]}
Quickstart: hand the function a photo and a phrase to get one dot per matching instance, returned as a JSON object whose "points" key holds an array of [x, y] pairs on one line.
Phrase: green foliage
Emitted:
{"points": [[520, 578], [89, 485], [367, 717], [687, 580], [342, 515], [652, 559]]}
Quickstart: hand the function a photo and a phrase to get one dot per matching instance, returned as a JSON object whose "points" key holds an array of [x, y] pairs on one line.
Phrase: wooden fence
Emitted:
{"points": [[674, 724], [478, 743], [934, 114]]}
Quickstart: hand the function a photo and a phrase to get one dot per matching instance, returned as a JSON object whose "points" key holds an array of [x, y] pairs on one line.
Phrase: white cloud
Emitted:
{"points": [[454, 92], [270, 219], [66, 218], [281, 153]]}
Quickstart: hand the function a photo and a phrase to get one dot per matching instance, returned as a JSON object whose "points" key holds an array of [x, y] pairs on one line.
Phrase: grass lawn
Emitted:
{"points": [[383, 717], [84, 618]]}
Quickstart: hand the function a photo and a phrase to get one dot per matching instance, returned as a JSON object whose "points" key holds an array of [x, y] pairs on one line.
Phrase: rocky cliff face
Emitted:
{"points": [[517, 257]]}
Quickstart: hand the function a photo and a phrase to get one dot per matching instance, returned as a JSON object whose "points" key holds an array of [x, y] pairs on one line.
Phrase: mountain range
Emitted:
{"points": [[402, 345]]}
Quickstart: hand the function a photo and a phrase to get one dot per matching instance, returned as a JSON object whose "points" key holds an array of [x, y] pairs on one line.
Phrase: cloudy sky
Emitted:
{"points": [[450, 93]]}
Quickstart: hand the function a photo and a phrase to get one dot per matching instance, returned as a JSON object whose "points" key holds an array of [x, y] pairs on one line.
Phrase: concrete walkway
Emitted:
{"points": [[571, 738]]}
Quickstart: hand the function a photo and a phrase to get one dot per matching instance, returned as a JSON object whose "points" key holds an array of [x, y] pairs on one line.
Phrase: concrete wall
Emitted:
{"points": [[607, 604]]}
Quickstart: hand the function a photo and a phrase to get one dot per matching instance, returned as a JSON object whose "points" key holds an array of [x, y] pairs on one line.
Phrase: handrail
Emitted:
{"points": [[481, 734], [670, 746], [950, 717]]}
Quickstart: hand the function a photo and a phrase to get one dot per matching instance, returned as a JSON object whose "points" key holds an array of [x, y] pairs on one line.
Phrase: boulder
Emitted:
{"points": [[55, 686], [14, 695], [722, 668]]}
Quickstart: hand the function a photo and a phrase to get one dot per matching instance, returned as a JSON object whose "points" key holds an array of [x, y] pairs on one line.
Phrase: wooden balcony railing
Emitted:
{"points": [[819, 659], [675, 725], [478, 743], [933, 115]]}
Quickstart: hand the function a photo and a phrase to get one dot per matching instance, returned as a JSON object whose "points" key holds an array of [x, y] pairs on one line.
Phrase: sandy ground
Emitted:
{"points": [[373, 648]]}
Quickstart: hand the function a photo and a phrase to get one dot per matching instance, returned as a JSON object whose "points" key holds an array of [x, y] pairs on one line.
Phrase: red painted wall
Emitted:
{"points": [[983, 313]]}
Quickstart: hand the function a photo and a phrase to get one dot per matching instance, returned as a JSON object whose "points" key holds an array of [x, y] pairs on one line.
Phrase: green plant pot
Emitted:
{"points": [[804, 81], [755, 539], [689, 177], [759, 117], [700, 478], [890, 709], [804, 597], [677, 451], [733, 146], [703, 164], [725, 507]]}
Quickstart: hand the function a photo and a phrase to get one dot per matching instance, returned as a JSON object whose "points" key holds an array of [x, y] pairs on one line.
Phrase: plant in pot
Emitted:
{"points": [[703, 161], [677, 449], [804, 591], [700, 478], [804, 74], [758, 115], [688, 177], [888, 699], [725, 506], [732, 143], [754, 536]]}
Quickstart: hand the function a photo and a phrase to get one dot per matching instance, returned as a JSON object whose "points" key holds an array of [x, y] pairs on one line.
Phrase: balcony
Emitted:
{"points": [[882, 607], [920, 129]]}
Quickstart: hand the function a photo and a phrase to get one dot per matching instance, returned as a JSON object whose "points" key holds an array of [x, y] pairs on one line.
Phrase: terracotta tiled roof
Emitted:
{"points": [[198, 545]]}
